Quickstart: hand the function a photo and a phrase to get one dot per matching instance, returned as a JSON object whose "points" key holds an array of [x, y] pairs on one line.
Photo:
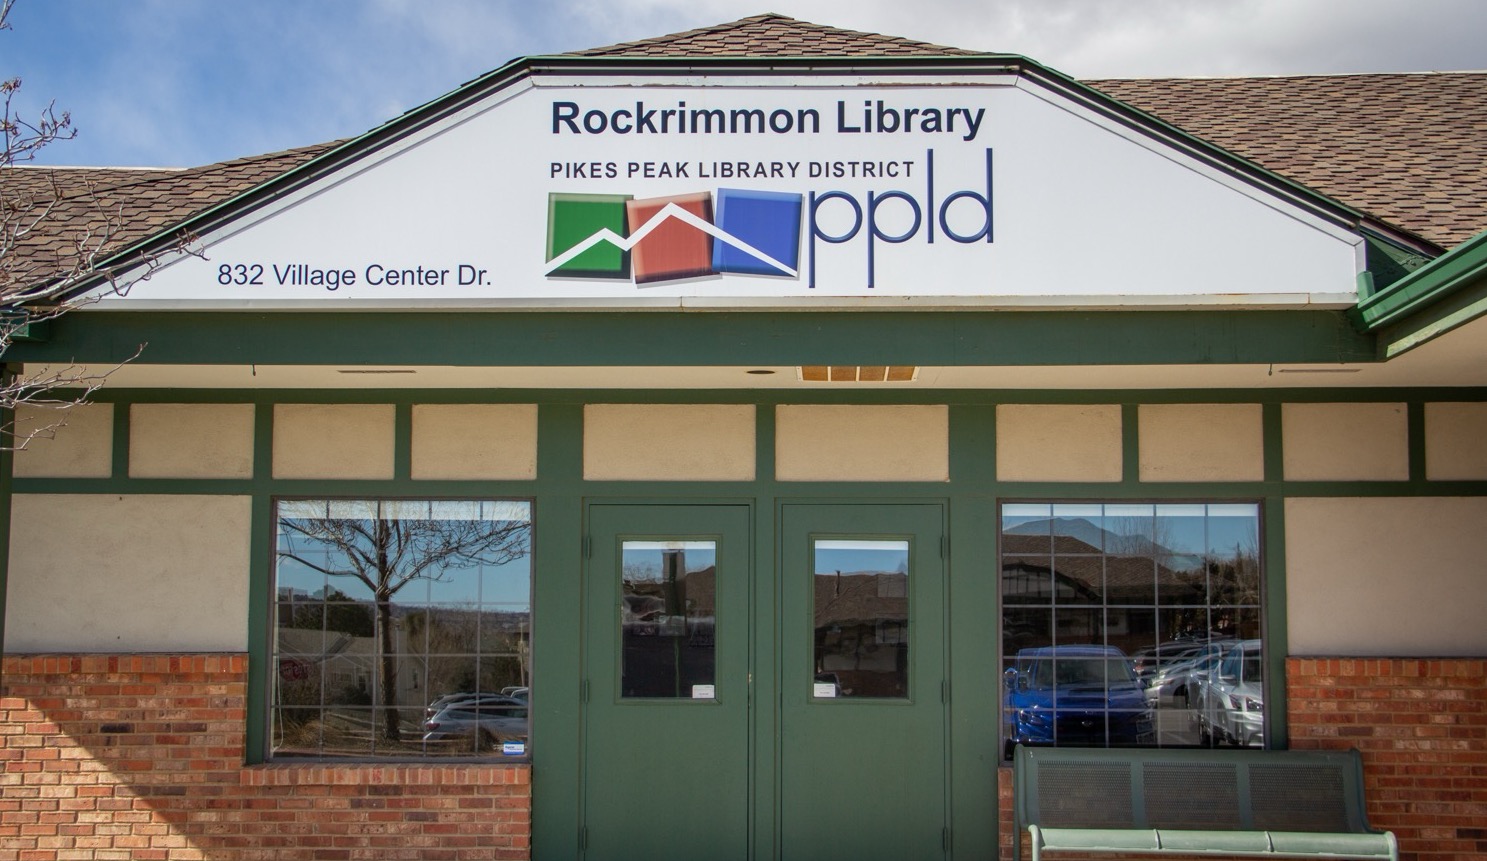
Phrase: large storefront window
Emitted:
{"points": [[402, 628], [1127, 625]]}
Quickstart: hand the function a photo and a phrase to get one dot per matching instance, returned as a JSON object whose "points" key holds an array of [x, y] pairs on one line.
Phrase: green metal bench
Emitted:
{"points": [[1279, 804]]}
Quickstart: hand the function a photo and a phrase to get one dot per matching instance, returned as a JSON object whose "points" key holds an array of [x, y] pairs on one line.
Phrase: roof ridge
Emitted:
{"points": [[680, 34], [777, 43], [1287, 76], [268, 156]]}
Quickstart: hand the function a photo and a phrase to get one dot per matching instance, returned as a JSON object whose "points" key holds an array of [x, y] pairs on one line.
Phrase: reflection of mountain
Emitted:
{"points": [[1095, 537]]}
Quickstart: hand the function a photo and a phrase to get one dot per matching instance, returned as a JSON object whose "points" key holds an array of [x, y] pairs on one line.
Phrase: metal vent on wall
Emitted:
{"points": [[858, 373]]}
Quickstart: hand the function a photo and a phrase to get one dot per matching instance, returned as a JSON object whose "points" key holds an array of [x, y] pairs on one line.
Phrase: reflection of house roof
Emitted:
{"points": [[1086, 572], [698, 588], [313, 645], [860, 597]]}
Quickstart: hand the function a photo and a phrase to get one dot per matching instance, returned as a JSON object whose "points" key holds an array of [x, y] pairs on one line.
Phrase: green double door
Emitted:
{"points": [[741, 707]]}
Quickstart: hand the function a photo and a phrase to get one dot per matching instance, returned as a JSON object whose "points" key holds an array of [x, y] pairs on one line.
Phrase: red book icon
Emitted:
{"points": [[673, 249]]}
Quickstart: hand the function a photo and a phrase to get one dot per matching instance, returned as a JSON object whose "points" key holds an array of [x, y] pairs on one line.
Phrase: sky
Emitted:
{"points": [[185, 82]]}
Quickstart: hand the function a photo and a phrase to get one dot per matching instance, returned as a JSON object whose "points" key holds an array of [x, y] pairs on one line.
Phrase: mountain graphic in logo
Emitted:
{"points": [[671, 238]]}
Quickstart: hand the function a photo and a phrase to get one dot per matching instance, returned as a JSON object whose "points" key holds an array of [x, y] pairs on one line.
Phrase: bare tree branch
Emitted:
{"points": [[56, 238], [388, 553]]}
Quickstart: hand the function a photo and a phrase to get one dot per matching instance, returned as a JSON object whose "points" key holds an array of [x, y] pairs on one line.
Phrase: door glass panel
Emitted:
{"points": [[667, 610], [861, 616]]}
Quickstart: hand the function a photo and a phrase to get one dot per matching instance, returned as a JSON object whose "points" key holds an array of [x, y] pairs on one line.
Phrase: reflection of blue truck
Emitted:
{"points": [[1075, 695]]}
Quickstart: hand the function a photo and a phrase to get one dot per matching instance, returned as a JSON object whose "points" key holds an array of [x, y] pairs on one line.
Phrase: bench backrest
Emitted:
{"points": [[1211, 790]]}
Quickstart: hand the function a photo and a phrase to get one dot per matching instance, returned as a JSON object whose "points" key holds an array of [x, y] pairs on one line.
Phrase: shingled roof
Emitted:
{"points": [[772, 35], [1409, 149], [86, 206]]}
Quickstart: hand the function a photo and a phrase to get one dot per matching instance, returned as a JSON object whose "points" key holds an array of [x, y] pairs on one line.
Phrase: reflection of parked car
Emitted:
{"points": [[1176, 682], [465, 698], [1079, 695], [485, 722], [1152, 658], [1232, 702]]}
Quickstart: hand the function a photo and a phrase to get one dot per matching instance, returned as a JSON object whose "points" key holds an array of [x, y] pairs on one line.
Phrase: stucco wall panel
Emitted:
{"points": [[1201, 442], [1346, 442], [1394, 576], [1454, 435], [668, 442], [475, 441], [110, 573], [191, 441], [862, 443], [83, 447], [333, 440], [1058, 442]]}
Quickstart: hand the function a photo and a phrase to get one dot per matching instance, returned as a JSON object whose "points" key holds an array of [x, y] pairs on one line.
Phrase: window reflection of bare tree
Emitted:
{"points": [[386, 554]]}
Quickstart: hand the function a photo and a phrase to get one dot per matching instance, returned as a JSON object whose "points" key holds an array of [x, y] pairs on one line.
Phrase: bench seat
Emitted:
{"points": [[1276, 844], [1249, 803]]}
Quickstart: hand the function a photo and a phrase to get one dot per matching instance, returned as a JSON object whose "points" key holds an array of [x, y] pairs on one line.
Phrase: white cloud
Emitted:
{"points": [[167, 82], [1131, 38]]}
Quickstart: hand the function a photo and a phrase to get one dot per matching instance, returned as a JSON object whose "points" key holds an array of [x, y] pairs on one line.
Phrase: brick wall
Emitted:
{"points": [[1422, 728], [141, 757]]}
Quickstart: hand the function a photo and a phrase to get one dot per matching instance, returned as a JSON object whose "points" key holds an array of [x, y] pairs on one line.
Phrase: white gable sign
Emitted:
{"points": [[797, 192]]}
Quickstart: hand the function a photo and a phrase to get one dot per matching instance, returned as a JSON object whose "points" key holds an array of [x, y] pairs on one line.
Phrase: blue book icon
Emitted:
{"points": [[767, 220]]}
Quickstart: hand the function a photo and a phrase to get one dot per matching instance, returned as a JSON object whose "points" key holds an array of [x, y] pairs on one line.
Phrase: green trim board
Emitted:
{"points": [[1461, 267], [7, 462], [1388, 262], [1442, 295], [792, 396], [679, 339], [260, 598], [1273, 619], [559, 519], [123, 415]]}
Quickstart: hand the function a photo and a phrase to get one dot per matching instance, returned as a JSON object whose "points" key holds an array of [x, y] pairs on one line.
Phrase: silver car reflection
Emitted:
{"points": [[480, 724], [1175, 682], [1232, 699]]}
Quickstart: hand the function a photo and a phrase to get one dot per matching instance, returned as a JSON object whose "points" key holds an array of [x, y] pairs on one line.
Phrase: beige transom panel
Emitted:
{"points": [[191, 441], [862, 443], [475, 441], [668, 442], [1201, 442], [1058, 442], [333, 441], [1345, 442], [1398, 577], [131, 573], [82, 446], [1454, 442]]}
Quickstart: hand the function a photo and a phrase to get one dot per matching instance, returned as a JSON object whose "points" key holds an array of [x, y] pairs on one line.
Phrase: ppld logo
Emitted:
{"points": [[750, 232]]}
